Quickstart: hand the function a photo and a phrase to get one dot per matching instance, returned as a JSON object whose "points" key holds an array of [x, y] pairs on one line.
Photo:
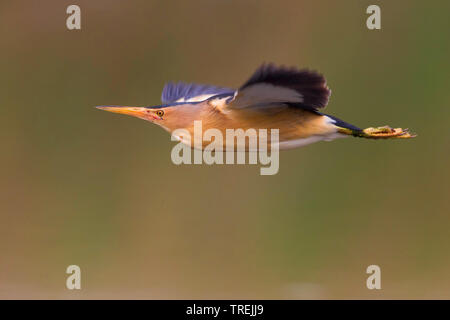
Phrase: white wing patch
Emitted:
{"points": [[263, 93], [198, 98]]}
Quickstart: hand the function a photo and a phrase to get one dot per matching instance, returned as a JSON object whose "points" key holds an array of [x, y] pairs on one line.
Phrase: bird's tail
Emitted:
{"points": [[384, 132]]}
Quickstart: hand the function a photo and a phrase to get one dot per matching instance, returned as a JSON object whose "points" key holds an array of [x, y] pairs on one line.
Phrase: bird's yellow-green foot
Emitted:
{"points": [[384, 132], [387, 132]]}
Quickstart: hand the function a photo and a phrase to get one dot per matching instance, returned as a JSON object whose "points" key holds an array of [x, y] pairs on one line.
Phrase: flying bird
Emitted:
{"points": [[275, 97]]}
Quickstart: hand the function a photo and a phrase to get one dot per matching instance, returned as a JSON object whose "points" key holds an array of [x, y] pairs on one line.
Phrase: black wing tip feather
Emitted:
{"points": [[310, 84]]}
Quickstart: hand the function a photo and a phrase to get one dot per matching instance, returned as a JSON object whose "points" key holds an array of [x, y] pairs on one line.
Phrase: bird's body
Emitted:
{"points": [[296, 126], [273, 98]]}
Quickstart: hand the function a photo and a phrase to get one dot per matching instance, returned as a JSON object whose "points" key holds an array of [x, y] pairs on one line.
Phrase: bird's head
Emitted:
{"points": [[169, 117], [150, 114]]}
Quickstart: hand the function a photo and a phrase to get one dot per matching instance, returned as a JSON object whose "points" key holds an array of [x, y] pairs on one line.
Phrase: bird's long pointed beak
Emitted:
{"points": [[131, 111]]}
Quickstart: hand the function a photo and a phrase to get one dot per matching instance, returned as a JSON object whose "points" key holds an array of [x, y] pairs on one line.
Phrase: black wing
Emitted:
{"points": [[272, 84]]}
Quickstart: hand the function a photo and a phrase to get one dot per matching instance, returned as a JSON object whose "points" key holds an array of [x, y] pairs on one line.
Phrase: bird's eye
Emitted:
{"points": [[160, 113]]}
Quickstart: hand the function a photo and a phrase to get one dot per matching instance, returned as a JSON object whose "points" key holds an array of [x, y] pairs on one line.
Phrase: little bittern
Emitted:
{"points": [[274, 97]]}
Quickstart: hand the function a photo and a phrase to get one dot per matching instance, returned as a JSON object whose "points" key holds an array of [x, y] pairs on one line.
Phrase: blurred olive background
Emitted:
{"points": [[81, 186]]}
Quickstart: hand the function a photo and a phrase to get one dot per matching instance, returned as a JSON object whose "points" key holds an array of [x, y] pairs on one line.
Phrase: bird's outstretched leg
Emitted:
{"points": [[384, 132]]}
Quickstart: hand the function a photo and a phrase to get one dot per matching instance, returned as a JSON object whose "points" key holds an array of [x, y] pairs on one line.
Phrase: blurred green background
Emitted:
{"points": [[85, 187]]}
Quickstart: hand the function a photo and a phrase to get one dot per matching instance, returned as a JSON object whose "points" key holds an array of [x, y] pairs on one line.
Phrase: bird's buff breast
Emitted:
{"points": [[225, 132]]}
